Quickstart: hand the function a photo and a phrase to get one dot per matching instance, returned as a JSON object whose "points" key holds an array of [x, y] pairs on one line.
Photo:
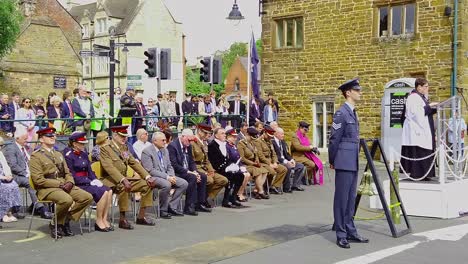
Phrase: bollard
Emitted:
{"points": [[394, 204]]}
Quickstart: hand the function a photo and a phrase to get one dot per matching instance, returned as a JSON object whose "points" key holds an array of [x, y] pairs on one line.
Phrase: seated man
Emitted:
{"points": [[115, 158], [303, 152], [53, 182], [180, 154], [155, 159], [141, 143], [269, 160], [218, 155], [281, 149], [18, 159], [215, 182]]}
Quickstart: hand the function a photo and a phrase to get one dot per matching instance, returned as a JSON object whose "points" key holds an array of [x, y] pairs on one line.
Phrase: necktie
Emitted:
{"points": [[184, 150], [236, 111], [25, 155], [70, 109], [160, 157]]}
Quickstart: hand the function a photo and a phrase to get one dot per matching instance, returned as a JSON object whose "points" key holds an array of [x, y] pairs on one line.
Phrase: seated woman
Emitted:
{"points": [[249, 157], [102, 138], [234, 157], [9, 191], [80, 167]]}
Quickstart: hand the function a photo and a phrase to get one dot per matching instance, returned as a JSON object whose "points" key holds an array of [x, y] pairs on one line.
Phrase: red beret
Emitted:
{"points": [[121, 130], [270, 131], [46, 131], [204, 127], [231, 132]]}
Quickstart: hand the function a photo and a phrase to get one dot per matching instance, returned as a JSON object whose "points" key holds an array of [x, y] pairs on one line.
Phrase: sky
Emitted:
{"points": [[205, 25]]}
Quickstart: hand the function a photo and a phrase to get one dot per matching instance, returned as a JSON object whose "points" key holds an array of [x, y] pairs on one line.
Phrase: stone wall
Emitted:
{"points": [[340, 43]]}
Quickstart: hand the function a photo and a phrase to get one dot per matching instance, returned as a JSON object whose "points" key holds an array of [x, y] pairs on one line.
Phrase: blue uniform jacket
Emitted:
{"points": [[79, 163], [343, 149]]}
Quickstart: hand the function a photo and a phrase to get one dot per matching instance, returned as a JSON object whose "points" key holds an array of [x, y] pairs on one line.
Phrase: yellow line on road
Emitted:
{"points": [[37, 235]]}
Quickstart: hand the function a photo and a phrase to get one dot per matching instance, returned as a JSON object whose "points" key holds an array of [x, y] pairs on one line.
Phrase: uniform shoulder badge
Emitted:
{"points": [[336, 126], [68, 153]]}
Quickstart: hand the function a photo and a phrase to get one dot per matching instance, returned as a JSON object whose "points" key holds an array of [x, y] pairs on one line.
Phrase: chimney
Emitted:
{"points": [[28, 7]]}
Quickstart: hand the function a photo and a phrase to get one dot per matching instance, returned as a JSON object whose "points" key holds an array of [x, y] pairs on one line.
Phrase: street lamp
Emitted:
{"points": [[235, 13]]}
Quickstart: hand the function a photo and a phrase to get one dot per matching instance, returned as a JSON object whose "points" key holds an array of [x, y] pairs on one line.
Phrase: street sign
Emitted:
{"points": [[60, 82], [86, 53], [97, 46], [100, 54]]}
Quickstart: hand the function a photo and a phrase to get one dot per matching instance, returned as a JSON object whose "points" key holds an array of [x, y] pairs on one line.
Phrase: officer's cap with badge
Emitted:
{"points": [[350, 85], [231, 132], [46, 132], [120, 130], [79, 137], [304, 124], [252, 131], [269, 131], [204, 128]]}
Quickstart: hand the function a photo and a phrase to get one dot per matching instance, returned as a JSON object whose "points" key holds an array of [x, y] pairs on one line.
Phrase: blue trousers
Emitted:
{"points": [[344, 202]]}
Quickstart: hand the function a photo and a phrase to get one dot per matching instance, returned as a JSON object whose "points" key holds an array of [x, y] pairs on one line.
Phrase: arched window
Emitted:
{"points": [[236, 85]]}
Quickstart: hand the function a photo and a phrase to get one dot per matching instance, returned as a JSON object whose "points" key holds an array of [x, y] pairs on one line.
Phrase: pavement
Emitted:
{"points": [[291, 228]]}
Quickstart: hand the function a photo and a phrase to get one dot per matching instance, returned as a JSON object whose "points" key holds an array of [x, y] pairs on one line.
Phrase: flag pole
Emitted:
{"points": [[249, 73]]}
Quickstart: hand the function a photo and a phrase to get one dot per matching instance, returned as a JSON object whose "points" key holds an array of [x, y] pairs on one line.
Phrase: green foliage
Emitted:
{"points": [[193, 83], [10, 23]]}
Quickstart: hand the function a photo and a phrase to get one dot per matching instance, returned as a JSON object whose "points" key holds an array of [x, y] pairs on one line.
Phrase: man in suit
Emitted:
{"points": [[236, 107], [82, 107], [18, 159], [180, 153], [343, 154], [155, 159], [5, 116], [188, 107], [256, 111], [53, 181], [14, 105], [115, 158], [242, 132], [215, 182], [67, 109], [269, 160], [281, 149], [218, 156]]}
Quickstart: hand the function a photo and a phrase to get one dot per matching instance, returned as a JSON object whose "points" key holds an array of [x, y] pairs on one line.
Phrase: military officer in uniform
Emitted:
{"points": [[269, 160], [215, 182], [53, 181], [115, 159], [343, 154]]}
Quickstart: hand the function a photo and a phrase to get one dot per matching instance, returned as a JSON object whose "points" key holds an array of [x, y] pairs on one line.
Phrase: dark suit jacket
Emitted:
{"points": [[15, 160], [12, 109], [78, 112], [187, 107], [278, 151], [216, 157], [52, 113], [241, 108], [65, 111], [177, 157], [177, 108]]}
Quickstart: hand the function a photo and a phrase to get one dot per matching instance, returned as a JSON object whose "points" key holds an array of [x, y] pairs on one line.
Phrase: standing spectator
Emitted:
{"points": [[457, 129], [270, 114], [207, 109], [222, 109], [14, 105], [139, 120], [24, 114], [83, 108], [51, 94], [55, 110], [39, 111], [67, 109], [174, 110], [152, 110], [117, 97], [187, 109], [237, 108], [141, 143], [275, 102], [195, 105], [255, 113], [10, 196], [5, 116], [128, 99]]}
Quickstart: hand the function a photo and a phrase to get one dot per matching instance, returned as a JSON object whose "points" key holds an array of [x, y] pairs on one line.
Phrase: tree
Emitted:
{"points": [[10, 23]]}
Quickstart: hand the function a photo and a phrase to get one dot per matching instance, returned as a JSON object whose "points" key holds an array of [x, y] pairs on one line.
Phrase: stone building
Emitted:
{"points": [[134, 21], [236, 79], [45, 57], [310, 47]]}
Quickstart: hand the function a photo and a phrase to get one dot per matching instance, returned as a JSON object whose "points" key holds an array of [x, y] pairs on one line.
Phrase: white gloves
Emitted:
{"points": [[232, 168], [96, 182], [243, 169]]}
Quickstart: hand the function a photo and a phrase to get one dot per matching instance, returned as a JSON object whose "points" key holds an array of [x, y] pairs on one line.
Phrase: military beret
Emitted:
{"points": [[204, 127], [231, 132], [304, 124], [48, 132], [269, 131], [79, 137], [252, 131], [121, 130], [351, 84]]}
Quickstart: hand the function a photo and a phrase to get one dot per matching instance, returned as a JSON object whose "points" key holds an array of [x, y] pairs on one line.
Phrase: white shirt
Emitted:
{"points": [[222, 147], [27, 155], [139, 146], [85, 105], [281, 148], [416, 129], [460, 125]]}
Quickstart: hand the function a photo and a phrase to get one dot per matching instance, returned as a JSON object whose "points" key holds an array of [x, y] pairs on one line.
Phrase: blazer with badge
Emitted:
{"points": [[343, 149], [177, 157], [216, 157], [16, 160], [265, 152], [114, 160], [200, 157], [48, 171], [151, 163]]}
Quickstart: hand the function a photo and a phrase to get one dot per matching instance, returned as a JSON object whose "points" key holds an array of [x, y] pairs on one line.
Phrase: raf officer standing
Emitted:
{"points": [[343, 154]]}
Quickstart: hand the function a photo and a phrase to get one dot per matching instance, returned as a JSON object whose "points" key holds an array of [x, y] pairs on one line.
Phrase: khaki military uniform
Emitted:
{"points": [[297, 152], [48, 171], [214, 183], [267, 156], [115, 159], [248, 151]]}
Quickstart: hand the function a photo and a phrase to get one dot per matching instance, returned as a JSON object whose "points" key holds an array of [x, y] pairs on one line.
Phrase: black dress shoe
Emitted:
{"points": [[208, 204], [202, 208], [273, 190], [298, 189], [343, 243], [228, 205], [124, 224], [66, 231], [18, 215], [165, 215], [52, 231], [190, 211], [110, 228], [97, 228], [264, 196], [46, 215], [144, 221], [174, 212], [241, 200], [257, 196], [288, 191], [357, 239], [235, 203]]}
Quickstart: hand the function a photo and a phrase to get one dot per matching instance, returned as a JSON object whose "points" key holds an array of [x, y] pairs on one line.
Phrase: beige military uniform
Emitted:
{"points": [[115, 159], [297, 152], [248, 151], [267, 156], [214, 183], [48, 171]]}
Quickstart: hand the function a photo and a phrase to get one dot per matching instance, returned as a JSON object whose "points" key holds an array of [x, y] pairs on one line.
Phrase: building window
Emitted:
{"points": [[86, 65], [85, 30], [289, 33], [323, 118], [236, 85], [397, 20], [101, 25]]}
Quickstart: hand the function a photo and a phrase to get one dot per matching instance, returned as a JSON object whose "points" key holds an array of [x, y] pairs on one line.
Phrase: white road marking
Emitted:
{"points": [[453, 233]]}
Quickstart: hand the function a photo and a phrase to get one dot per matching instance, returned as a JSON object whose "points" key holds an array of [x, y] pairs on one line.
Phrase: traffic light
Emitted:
{"points": [[151, 62], [217, 70], [165, 59], [205, 70]]}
